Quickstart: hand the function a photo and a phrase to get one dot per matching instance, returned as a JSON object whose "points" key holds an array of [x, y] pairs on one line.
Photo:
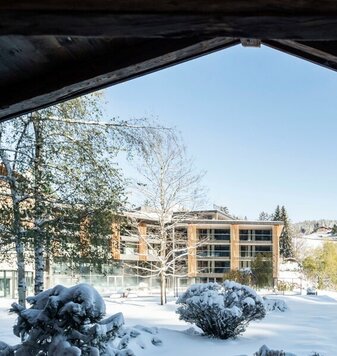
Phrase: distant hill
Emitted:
{"points": [[308, 227]]}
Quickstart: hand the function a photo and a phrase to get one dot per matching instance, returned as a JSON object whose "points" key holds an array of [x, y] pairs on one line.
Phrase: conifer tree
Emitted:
{"points": [[286, 247], [277, 214]]}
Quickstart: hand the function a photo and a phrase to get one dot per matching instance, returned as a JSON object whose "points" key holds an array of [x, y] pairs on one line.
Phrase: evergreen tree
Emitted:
{"points": [[334, 229], [262, 270], [286, 247], [277, 214]]}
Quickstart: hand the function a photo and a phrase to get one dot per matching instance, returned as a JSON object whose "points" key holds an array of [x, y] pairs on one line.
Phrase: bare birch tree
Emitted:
{"points": [[13, 188], [58, 160], [171, 188]]}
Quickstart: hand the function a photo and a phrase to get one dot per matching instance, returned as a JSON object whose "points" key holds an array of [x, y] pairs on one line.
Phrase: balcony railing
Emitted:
{"points": [[214, 254], [213, 270]]}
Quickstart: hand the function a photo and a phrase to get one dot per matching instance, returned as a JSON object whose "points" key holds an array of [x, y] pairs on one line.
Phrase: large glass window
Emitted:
{"points": [[252, 251], [129, 248], [221, 266], [221, 251], [213, 266], [256, 235], [204, 266], [213, 251], [214, 234]]}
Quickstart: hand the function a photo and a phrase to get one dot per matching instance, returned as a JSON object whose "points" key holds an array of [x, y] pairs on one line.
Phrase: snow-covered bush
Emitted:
{"points": [[68, 321], [265, 351], [274, 304], [220, 310]]}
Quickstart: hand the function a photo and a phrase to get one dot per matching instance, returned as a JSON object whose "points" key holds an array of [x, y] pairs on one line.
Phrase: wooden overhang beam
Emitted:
{"points": [[58, 49], [262, 25], [323, 53], [113, 63], [263, 19]]}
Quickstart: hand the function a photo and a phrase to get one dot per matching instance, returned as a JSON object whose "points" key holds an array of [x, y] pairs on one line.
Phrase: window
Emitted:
{"points": [[214, 234], [256, 235], [221, 266], [222, 234], [213, 266], [203, 266], [245, 264], [221, 251], [253, 251], [263, 235], [214, 251], [129, 248]]}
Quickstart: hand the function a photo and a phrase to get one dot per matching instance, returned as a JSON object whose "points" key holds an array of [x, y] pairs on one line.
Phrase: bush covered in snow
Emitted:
{"points": [[68, 321], [220, 310], [275, 304], [265, 351]]}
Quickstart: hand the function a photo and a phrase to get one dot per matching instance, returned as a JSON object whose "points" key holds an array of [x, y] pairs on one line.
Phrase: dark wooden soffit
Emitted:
{"points": [[76, 66], [323, 53], [55, 50]]}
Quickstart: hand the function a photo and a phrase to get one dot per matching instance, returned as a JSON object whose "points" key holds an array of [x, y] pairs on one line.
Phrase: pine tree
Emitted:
{"points": [[277, 214], [286, 247], [262, 270]]}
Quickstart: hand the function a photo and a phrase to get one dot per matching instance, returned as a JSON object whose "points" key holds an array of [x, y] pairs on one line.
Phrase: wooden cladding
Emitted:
{"points": [[115, 241], [192, 252], [235, 249], [142, 248]]}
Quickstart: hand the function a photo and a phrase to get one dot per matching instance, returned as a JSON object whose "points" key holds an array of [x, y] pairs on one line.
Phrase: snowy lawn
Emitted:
{"points": [[309, 324]]}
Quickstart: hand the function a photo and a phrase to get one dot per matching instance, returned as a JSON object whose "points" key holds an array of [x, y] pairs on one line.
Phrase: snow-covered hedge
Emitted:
{"points": [[265, 351], [275, 304], [68, 321], [220, 310]]}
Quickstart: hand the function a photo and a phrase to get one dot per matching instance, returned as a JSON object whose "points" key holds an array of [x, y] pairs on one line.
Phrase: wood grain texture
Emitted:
{"points": [[73, 73], [55, 50], [190, 6]]}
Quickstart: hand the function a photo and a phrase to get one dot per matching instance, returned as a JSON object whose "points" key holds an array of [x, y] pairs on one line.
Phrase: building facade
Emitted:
{"points": [[202, 247], [214, 242]]}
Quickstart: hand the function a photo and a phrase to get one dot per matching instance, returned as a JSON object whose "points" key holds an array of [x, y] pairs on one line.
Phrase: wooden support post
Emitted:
{"points": [[115, 241], [142, 247], [192, 251], [235, 247], [277, 230]]}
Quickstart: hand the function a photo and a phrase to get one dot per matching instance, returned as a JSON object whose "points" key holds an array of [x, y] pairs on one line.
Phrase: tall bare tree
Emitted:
{"points": [[171, 189]]}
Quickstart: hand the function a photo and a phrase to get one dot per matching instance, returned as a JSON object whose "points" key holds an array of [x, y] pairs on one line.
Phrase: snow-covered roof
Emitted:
{"points": [[197, 217]]}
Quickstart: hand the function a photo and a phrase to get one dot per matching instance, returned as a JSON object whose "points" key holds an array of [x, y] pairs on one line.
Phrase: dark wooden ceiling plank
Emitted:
{"points": [[305, 51], [284, 7], [317, 49], [123, 64], [205, 26], [57, 49]]}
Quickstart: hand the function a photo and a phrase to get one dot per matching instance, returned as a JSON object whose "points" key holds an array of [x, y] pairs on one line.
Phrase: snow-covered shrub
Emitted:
{"points": [[265, 351], [274, 304], [68, 321], [220, 310]]}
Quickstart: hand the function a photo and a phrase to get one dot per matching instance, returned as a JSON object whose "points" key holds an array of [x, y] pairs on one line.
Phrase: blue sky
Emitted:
{"points": [[263, 125]]}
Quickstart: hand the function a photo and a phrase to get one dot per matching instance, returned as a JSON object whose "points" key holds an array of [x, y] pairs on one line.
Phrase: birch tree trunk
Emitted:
{"points": [[162, 289], [9, 178], [38, 211], [20, 257]]}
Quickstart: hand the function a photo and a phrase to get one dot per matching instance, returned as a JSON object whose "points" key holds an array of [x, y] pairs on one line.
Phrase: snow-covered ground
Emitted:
{"points": [[309, 325]]}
